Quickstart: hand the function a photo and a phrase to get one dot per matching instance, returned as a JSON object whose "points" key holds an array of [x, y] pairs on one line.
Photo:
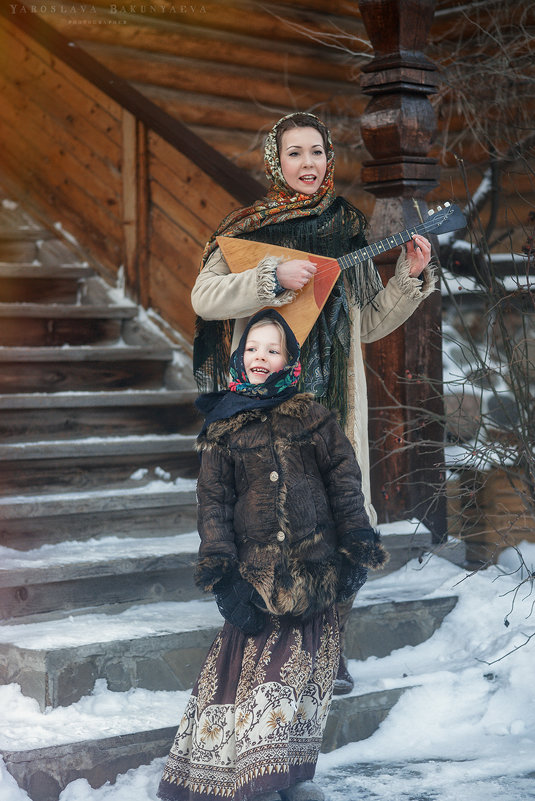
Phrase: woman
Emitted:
{"points": [[301, 211]]}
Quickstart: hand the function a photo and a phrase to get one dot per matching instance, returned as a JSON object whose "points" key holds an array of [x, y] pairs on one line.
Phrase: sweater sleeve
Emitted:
{"points": [[219, 294], [394, 304], [215, 517]]}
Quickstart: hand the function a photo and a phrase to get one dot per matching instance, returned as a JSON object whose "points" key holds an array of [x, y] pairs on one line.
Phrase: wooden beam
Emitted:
{"points": [[398, 127]]}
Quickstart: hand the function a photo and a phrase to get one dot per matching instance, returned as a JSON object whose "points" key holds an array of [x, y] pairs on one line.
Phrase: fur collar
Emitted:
{"points": [[298, 407]]}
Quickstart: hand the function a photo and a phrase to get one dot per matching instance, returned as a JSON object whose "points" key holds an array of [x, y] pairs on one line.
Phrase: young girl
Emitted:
{"points": [[301, 211], [284, 535]]}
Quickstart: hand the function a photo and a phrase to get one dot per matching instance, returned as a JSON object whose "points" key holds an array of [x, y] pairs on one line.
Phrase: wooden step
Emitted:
{"points": [[162, 646], [61, 311], [28, 417], [25, 282], [44, 772], [30, 271], [50, 325], [121, 471], [83, 464], [22, 243], [82, 368], [176, 516]]}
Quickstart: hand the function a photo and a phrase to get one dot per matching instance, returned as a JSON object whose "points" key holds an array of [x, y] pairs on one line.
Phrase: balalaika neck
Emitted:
{"points": [[384, 245]]}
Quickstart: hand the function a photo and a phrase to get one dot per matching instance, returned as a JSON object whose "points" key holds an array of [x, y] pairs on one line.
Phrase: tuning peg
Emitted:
{"points": [[439, 208], [431, 212], [447, 203]]}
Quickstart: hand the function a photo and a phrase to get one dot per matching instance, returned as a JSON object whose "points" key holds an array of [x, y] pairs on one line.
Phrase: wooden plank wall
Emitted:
{"points": [[229, 68], [62, 141], [126, 195]]}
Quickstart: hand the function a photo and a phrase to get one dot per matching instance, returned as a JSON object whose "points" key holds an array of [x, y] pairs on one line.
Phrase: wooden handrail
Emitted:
{"points": [[233, 179]]}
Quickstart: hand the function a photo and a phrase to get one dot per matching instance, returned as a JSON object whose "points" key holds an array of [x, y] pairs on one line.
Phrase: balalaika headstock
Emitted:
{"points": [[444, 219]]}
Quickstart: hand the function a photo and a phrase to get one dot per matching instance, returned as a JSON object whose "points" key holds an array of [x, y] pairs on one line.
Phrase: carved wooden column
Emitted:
{"points": [[398, 127]]}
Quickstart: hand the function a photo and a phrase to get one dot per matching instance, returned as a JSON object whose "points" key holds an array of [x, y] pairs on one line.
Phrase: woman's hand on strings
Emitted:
{"points": [[418, 254], [295, 273]]}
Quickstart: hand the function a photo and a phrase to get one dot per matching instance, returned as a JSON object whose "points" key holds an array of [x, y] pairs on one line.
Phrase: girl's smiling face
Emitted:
{"points": [[303, 159], [264, 353]]}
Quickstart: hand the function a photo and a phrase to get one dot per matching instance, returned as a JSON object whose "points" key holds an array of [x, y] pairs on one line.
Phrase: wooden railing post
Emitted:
{"points": [[398, 127], [136, 207]]}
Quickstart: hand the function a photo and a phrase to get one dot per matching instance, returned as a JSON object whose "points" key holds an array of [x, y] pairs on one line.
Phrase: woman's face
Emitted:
{"points": [[303, 159], [263, 353]]}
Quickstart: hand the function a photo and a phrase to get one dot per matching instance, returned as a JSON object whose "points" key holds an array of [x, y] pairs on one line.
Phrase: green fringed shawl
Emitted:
{"points": [[340, 229]]}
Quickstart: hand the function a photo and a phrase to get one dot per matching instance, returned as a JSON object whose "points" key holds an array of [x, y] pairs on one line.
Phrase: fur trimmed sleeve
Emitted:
{"points": [[265, 283], [210, 570], [363, 547], [415, 288], [217, 291]]}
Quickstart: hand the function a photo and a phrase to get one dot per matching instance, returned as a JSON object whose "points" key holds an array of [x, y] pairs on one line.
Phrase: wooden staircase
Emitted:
{"points": [[96, 427]]}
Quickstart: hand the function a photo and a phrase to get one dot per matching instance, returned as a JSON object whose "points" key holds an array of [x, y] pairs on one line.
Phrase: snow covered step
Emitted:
{"points": [[162, 646], [44, 772], [162, 507], [39, 324], [155, 646], [96, 446], [83, 368], [64, 415], [114, 467], [135, 571]]}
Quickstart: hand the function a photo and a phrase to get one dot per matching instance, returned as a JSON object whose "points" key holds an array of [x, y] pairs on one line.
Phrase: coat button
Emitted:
{"points": [[281, 536], [274, 476]]}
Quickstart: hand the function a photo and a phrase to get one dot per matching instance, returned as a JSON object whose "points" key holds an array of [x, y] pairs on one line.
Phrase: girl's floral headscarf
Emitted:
{"points": [[277, 384], [242, 395]]}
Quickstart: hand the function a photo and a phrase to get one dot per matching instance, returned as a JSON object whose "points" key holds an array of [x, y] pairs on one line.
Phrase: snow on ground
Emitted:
{"points": [[465, 728]]}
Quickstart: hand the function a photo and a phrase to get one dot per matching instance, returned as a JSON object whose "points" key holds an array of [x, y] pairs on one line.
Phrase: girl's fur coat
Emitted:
{"points": [[280, 496]]}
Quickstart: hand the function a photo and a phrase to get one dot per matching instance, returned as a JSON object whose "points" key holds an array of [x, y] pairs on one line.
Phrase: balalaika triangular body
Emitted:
{"points": [[302, 313]]}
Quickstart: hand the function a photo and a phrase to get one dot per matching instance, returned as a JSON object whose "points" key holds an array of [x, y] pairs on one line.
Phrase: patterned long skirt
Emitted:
{"points": [[256, 715]]}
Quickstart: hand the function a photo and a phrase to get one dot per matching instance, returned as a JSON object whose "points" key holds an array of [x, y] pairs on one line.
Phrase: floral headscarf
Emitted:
{"points": [[244, 396], [281, 202], [276, 383]]}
